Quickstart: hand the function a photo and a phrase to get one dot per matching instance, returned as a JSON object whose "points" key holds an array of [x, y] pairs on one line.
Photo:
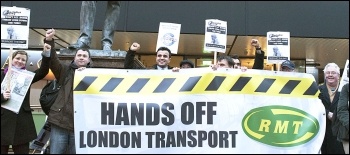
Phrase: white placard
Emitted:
{"points": [[215, 35], [278, 46], [168, 36], [14, 27], [20, 83], [345, 78]]}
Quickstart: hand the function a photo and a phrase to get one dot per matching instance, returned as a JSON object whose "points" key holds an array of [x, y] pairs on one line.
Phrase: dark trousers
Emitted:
{"points": [[87, 18]]}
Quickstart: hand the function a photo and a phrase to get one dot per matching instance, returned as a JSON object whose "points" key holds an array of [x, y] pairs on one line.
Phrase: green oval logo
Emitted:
{"points": [[280, 126]]}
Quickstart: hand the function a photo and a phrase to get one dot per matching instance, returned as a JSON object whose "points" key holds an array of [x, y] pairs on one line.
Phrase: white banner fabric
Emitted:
{"points": [[196, 111]]}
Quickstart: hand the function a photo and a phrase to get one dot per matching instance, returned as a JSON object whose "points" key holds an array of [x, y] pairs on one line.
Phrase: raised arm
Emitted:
{"points": [[55, 64], [130, 55], [49, 46], [259, 55]]}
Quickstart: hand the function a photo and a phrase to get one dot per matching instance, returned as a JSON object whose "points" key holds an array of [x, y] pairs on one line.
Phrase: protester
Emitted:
{"points": [[226, 62], [183, 65], [343, 116], [61, 116], [236, 62], [223, 62], [258, 60], [163, 58], [186, 64], [329, 96], [287, 66], [19, 129]]}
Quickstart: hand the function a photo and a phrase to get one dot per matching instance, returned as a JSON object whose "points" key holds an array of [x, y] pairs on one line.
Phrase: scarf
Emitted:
{"points": [[332, 92], [6, 69]]}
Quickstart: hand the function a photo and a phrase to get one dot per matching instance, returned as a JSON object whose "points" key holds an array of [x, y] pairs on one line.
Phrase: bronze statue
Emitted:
{"points": [[87, 18]]}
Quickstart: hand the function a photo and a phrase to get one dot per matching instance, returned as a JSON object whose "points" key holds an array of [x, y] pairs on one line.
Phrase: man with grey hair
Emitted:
{"points": [[329, 96]]}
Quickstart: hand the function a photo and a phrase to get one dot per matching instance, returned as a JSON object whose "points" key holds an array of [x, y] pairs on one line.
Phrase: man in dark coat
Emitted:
{"points": [[61, 116], [330, 96], [163, 58]]}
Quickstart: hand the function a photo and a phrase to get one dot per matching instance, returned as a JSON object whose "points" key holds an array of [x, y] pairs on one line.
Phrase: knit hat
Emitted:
{"points": [[288, 64], [187, 62]]}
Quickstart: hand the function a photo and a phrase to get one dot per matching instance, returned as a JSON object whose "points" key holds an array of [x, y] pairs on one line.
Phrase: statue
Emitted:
{"points": [[87, 17]]}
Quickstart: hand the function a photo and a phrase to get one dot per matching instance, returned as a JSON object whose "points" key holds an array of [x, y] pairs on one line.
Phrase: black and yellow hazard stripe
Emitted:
{"points": [[208, 83]]}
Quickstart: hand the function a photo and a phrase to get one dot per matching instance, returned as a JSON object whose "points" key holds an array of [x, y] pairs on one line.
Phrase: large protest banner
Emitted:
{"points": [[196, 111]]}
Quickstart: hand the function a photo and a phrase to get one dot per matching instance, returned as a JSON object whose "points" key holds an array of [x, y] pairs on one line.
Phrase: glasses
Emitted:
{"points": [[331, 73]]}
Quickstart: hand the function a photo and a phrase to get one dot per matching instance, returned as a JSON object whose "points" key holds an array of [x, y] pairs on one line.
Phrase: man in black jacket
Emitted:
{"points": [[329, 96], [163, 58], [223, 61], [61, 114]]}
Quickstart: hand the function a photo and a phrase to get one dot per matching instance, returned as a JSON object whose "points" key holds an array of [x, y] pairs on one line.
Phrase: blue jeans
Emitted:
{"points": [[62, 141]]}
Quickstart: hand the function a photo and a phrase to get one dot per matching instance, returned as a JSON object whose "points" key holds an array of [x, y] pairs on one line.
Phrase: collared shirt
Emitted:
{"points": [[160, 68]]}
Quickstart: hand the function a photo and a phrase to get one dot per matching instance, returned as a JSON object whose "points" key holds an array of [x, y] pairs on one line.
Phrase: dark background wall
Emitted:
{"points": [[326, 19]]}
